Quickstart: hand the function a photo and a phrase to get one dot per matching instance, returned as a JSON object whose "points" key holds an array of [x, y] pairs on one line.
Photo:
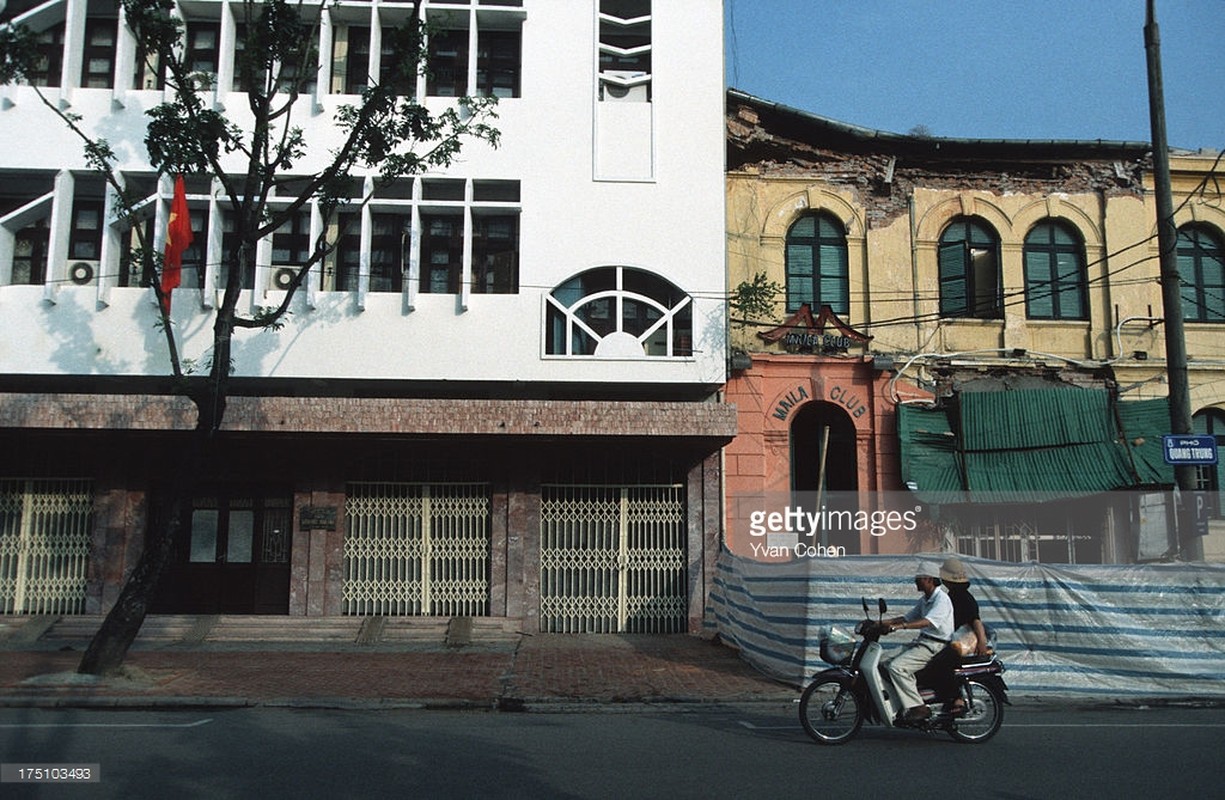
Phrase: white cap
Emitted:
{"points": [[927, 570]]}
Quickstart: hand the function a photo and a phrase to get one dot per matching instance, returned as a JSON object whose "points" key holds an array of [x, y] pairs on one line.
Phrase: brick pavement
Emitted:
{"points": [[532, 670], [637, 669]]}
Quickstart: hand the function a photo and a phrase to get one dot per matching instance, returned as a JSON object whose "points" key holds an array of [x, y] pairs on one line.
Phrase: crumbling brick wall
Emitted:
{"points": [[884, 171]]}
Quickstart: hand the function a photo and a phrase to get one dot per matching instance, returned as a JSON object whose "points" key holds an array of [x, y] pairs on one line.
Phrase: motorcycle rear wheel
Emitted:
{"points": [[830, 712], [984, 713]]}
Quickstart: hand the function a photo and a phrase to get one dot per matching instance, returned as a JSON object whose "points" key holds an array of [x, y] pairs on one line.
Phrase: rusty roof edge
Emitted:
{"points": [[1116, 148]]}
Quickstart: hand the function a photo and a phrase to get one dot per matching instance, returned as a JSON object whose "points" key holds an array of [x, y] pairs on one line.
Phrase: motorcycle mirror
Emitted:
{"points": [[864, 600], [883, 606]]}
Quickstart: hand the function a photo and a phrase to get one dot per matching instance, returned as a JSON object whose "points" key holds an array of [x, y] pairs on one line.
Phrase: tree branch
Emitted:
{"points": [[100, 156]]}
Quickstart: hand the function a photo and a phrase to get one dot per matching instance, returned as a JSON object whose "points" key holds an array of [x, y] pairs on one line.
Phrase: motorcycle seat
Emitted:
{"points": [[976, 665]]}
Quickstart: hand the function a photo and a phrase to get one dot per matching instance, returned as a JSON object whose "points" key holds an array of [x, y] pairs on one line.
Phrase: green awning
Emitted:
{"points": [[1024, 419], [1143, 423], [931, 457], [1032, 444]]}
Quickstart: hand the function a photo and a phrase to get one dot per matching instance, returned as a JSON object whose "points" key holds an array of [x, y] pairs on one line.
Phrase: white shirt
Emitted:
{"points": [[936, 609]]}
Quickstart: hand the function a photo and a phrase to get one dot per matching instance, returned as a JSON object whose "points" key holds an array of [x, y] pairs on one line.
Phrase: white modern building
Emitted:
{"points": [[498, 398]]}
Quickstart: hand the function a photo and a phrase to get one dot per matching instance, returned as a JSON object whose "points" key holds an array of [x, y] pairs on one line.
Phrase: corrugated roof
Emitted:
{"points": [[1143, 422], [1032, 444], [1028, 418], [930, 455], [1065, 470]]}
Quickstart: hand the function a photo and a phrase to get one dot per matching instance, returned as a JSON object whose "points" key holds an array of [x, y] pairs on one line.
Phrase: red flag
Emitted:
{"points": [[178, 239]]}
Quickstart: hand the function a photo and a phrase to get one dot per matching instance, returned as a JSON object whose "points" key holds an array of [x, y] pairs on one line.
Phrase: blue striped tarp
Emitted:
{"points": [[1095, 630]]}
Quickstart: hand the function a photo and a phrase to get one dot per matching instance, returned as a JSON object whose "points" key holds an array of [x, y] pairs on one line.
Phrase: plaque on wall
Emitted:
{"points": [[317, 518]]}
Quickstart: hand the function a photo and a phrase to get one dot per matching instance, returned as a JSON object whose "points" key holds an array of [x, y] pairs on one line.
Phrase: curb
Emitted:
{"points": [[511, 705], [496, 704], [120, 702]]}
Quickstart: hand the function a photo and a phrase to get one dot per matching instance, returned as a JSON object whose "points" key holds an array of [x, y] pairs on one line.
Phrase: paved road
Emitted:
{"points": [[692, 751]]}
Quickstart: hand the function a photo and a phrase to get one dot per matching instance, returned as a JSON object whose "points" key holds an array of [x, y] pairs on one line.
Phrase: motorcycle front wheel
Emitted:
{"points": [[984, 713], [830, 712]]}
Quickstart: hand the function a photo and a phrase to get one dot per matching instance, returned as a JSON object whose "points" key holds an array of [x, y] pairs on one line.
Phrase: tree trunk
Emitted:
{"points": [[109, 647]]}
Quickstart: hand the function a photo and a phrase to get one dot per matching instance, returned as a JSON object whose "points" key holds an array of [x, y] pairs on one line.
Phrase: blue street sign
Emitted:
{"points": [[1189, 449]]}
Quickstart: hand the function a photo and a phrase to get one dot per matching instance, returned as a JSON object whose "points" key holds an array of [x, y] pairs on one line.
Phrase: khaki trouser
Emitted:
{"points": [[904, 665]]}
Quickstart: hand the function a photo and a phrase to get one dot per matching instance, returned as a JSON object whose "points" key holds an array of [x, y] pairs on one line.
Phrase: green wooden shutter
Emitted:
{"points": [[834, 286], [1039, 294], [953, 258], [799, 275], [1070, 285]]}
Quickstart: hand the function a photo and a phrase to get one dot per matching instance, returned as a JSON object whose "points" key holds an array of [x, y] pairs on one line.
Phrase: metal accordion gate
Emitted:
{"points": [[613, 559], [415, 549], [45, 533]]}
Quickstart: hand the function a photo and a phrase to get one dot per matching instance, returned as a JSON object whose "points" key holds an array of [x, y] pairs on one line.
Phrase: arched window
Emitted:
{"points": [[1211, 422], [1055, 283], [619, 312], [1201, 266], [969, 264], [817, 264]]}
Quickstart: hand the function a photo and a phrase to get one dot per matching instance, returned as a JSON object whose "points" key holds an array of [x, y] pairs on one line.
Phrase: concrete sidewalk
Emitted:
{"points": [[439, 665]]}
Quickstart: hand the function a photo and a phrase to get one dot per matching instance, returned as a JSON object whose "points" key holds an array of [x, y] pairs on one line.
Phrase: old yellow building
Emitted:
{"points": [[967, 322]]}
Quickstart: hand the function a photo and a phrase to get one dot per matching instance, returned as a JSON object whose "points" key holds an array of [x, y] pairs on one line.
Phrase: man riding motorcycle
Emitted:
{"points": [[932, 616]]}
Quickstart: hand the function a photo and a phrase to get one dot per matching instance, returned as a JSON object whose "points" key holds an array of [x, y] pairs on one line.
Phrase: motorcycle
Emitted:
{"points": [[857, 687]]}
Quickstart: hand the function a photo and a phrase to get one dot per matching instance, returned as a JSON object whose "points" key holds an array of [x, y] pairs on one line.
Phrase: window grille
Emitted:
{"points": [[45, 528], [417, 549], [612, 559], [1054, 535]]}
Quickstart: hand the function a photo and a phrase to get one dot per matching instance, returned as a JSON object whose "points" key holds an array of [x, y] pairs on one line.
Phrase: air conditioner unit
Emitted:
{"points": [[283, 277], [83, 273], [625, 85], [617, 93]]}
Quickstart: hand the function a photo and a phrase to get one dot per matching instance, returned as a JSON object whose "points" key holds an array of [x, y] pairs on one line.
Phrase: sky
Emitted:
{"points": [[985, 69]]}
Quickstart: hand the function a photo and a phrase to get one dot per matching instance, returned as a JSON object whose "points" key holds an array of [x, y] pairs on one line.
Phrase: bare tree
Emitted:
{"points": [[387, 135]]}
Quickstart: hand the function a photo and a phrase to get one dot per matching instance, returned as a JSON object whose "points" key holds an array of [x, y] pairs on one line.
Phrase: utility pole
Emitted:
{"points": [[1171, 283]]}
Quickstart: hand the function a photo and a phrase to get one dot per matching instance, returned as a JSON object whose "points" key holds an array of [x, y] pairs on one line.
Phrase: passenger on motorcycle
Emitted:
{"points": [[933, 617], [965, 612]]}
